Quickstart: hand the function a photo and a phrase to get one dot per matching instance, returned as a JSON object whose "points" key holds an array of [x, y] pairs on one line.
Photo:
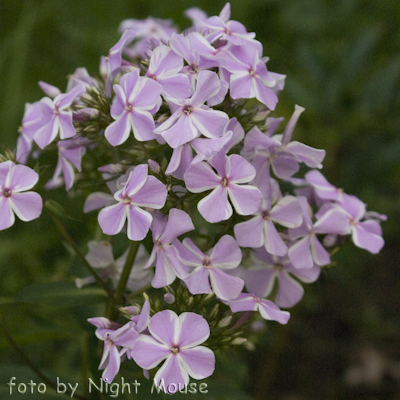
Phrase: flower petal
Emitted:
{"points": [[118, 131], [215, 207], [148, 352], [245, 198], [27, 206], [7, 217], [112, 218], [139, 222], [226, 253], [194, 330], [165, 327], [225, 286], [250, 233], [198, 362]]}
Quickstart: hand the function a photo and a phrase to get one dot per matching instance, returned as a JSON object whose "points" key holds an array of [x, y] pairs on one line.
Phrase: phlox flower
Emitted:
{"points": [[15, 179], [197, 52], [308, 250], [260, 230], [118, 340], [249, 76], [55, 118], [175, 340], [222, 28], [165, 230], [136, 98], [165, 67], [266, 268], [267, 308], [279, 151], [70, 153], [140, 190], [232, 171], [210, 268], [192, 118], [366, 234]]}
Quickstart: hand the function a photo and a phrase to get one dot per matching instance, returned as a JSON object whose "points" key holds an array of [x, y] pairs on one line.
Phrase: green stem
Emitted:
{"points": [[123, 280], [29, 363], [75, 247]]}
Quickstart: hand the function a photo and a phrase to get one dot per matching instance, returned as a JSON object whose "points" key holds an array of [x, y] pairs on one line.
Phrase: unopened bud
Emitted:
{"points": [[49, 90], [132, 310], [169, 298], [225, 321], [239, 341], [154, 166]]}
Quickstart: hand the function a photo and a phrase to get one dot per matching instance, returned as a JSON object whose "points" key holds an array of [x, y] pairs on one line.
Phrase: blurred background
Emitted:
{"points": [[342, 61]]}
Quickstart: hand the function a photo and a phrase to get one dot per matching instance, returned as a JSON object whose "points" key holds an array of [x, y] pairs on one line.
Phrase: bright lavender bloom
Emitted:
{"points": [[100, 256], [15, 179], [197, 52], [55, 117], [209, 268], [175, 340], [266, 269], [136, 98], [140, 190], [192, 118], [278, 151], [232, 171], [366, 234], [249, 76], [260, 230], [70, 153], [117, 340], [308, 251], [165, 230], [268, 309], [232, 31], [164, 68]]}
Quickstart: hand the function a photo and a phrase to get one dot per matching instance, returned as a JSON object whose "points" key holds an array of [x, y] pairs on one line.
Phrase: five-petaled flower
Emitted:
{"points": [[15, 179], [140, 190], [175, 340]]}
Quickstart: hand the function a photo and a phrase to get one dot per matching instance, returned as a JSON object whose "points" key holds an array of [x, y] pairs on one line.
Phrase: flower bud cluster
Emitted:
{"points": [[171, 121]]}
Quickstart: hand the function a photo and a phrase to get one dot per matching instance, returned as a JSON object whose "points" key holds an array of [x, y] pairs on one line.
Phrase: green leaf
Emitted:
{"points": [[60, 294]]}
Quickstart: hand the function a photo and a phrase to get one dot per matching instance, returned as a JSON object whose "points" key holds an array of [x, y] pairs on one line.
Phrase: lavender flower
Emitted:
{"points": [[55, 118], [209, 268], [140, 190], [136, 99], [268, 309], [266, 269], [15, 179], [165, 230], [231, 172], [175, 340], [192, 118]]}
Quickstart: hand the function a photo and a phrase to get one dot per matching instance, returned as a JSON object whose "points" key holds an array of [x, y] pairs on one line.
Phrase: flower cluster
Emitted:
{"points": [[174, 127]]}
